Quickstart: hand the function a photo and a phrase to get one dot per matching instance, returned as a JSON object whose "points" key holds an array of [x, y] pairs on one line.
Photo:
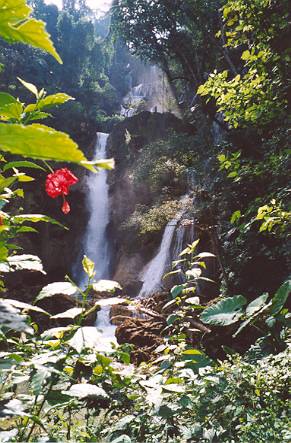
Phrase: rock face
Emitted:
{"points": [[129, 251]]}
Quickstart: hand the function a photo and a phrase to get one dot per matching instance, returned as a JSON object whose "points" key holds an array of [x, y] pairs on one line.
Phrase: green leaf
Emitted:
{"points": [[108, 164], [29, 86], [6, 99], [6, 182], [166, 412], [25, 306], [174, 387], [246, 55], [39, 379], [235, 217], [40, 142], [88, 266], [280, 297], [17, 26], [178, 271], [11, 318], [57, 288], [192, 352], [225, 312], [172, 318], [49, 101], [256, 304], [205, 255], [177, 290], [35, 218], [70, 313], [86, 390], [89, 337], [25, 262], [106, 286], [11, 112], [22, 164]]}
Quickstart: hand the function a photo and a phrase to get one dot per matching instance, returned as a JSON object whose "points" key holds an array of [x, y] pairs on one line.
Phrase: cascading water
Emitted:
{"points": [[96, 245], [95, 241], [153, 93], [153, 272], [103, 323]]}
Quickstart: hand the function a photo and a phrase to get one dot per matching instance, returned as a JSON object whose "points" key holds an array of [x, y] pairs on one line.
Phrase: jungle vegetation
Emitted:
{"points": [[228, 61]]}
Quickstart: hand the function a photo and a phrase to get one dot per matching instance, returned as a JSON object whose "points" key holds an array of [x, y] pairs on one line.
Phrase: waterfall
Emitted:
{"points": [[95, 242], [153, 272], [103, 323], [152, 93]]}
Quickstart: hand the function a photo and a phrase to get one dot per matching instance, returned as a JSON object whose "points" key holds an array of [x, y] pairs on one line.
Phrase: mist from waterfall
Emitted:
{"points": [[152, 92], [95, 244]]}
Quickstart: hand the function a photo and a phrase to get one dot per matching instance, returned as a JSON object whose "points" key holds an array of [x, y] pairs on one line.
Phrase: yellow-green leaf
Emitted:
{"points": [[17, 26], [49, 101], [39, 142], [29, 86]]}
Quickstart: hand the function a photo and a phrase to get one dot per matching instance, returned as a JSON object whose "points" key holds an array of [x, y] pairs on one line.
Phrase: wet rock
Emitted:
{"points": [[146, 335], [126, 273], [121, 312]]}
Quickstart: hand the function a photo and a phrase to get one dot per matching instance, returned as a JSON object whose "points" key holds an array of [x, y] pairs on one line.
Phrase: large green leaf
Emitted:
{"points": [[89, 337], [40, 142], [57, 288], [24, 262], [256, 305], [280, 297], [86, 390], [225, 312], [17, 26], [11, 318]]}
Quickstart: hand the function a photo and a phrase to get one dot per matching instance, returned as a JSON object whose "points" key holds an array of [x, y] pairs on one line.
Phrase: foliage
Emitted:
{"points": [[88, 72], [146, 220], [17, 25], [163, 164], [256, 94], [176, 34], [75, 387], [269, 317]]}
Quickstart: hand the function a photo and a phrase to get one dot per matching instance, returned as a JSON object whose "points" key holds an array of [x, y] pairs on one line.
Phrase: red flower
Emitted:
{"points": [[58, 183]]}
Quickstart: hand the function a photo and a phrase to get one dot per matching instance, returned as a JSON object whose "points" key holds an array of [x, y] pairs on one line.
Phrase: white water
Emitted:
{"points": [[95, 241], [153, 272], [103, 323], [153, 93]]}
